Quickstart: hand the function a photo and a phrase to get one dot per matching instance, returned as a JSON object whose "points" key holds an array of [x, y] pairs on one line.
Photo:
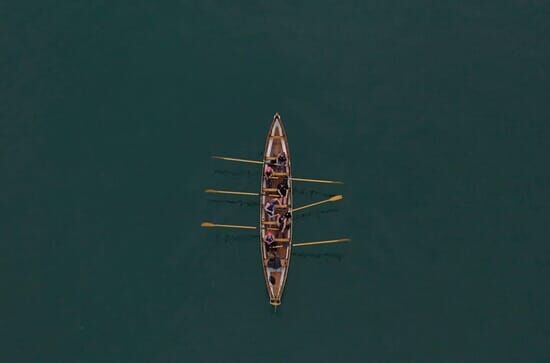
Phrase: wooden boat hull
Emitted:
{"points": [[275, 279]]}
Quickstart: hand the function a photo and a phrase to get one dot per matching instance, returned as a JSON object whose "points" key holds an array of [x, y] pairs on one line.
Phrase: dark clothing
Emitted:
{"points": [[282, 189], [282, 224], [285, 217], [274, 263]]}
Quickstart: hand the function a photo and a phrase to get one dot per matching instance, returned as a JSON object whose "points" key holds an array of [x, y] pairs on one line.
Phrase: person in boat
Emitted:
{"points": [[282, 189], [269, 239], [284, 220], [268, 172], [269, 207], [281, 159], [274, 262]]}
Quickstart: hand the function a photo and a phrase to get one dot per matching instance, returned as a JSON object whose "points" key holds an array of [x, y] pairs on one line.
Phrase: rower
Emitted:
{"points": [[268, 172], [281, 159], [284, 220], [282, 189], [269, 207], [274, 262], [269, 238]]}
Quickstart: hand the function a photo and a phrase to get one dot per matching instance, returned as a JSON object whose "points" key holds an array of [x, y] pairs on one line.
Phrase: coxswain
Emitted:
{"points": [[274, 262]]}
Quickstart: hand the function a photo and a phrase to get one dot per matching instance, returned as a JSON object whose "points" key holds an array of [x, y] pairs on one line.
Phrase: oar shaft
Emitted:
{"points": [[234, 226], [310, 205], [213, 225], [341, 240], [322, 181], [214, 191], [304, 244], [316, 181], [238, 160]]}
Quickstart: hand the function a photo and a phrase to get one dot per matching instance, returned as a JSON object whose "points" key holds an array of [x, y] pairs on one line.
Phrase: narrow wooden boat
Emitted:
{"points": [[277, 254]]}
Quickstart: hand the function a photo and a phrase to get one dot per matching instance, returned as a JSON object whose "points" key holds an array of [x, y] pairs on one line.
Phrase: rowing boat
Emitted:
{"points": [[275, 202], [275, 279]]}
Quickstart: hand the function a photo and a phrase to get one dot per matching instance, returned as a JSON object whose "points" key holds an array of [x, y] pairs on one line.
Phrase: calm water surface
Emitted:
{"points": [[435, 116]]}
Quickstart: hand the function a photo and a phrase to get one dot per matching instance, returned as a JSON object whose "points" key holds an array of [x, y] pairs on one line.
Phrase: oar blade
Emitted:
{"points": [[331, 199]]}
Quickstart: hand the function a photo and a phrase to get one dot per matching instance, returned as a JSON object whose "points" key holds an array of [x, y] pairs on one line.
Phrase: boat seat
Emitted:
{"points": [[270, 190], [276, 174], [282, 245]]}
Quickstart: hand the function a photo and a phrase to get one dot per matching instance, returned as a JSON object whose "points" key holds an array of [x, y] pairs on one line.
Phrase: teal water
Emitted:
{"points": [[435, 115]]}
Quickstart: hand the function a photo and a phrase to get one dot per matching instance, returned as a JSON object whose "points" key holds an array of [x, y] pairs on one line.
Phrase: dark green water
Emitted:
{"points": [[435, 115]]}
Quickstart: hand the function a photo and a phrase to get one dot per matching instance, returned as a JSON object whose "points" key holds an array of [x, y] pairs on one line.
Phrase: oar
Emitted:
{"points": [[212, 225], [238, 160], [316, 181], [331, 199], [341, 240], [293, 179], [304, 244], [214, 191]]}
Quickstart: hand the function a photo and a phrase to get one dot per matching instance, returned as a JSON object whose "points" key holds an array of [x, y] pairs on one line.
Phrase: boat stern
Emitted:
{"points": [[275, 301]]}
